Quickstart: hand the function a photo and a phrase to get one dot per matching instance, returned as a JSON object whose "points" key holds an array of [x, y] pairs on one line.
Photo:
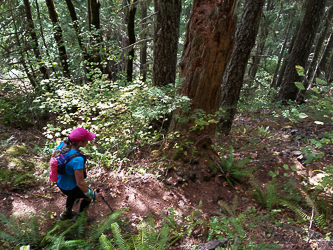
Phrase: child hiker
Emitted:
{"points": [[72, 183]]}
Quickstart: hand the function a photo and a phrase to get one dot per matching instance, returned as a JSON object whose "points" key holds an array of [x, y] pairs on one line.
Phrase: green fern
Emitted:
{"points": [[118, 237], [230, 209], [266, 198], [105, 243], [297, 209], [150, 237], [233, 170], [97, 228], [21, 230]]}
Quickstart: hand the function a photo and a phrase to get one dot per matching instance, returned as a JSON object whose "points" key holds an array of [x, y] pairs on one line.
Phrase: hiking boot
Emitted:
{"points": [[67, 215]]}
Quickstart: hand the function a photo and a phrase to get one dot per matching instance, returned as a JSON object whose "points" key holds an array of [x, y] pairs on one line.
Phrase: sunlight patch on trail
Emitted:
{"points": [[21, 206]]}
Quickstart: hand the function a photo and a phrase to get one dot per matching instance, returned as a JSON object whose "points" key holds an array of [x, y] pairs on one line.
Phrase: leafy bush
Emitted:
{"points": [[120, 116], [16, 105]]}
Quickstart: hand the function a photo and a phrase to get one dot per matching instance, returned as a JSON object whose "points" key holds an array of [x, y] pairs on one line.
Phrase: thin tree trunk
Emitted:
{"points": [[58, 37], [34, 38], [273, 83], [143, 47], [301, 50], [207, 50], [25, 66], [263, 33], [245, 38], [326, 55], [77, 28], [131, 39], [96, 44], [327, 50], [166, 34], [319, 45], [89, 15], [287, 56], [43, 37]]}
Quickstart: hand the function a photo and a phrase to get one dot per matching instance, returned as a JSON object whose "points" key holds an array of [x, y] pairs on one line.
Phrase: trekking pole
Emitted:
{"points": [[105, 201]]}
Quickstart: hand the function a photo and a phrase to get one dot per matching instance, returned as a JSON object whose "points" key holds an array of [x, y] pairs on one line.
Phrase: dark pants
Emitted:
{"points": [[72, 195]]}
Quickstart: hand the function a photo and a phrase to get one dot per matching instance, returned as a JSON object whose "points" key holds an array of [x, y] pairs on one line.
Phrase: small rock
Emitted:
{"points": [[294, 131], [213, 244], [194, 161], [245, 199], [180, 173], [296, 153], [192, 176], [207, 177], [167, 182], [180, 179]]}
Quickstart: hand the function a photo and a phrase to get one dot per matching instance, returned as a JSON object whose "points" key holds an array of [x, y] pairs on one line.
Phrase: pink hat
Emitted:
{"points": [[81, 134]]}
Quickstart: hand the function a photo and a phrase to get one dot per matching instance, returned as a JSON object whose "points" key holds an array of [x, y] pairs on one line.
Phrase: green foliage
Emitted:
{"points": [[151, 237], [184, 226], [68, 235], [268, 197], [22, 230], [102, 106], [311, 153], [17, 175], [16, 107], [239, 228], [233, 169]]}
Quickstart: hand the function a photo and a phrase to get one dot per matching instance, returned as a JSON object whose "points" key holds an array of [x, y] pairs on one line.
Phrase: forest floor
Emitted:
{"points": [[278, 142]]}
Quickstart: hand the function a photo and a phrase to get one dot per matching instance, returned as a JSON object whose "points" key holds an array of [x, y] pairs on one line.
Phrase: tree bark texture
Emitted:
{"points": [[42, 36], [143, 47], [301, 50], [273, 83], [263, 33], [131, 40], [323, 34], [34, 38], [30, 76], [166, 34], [327, 54], [287, 56], [58, 37], [207, 49], [96, 43], [77, 29], [245, 38]]}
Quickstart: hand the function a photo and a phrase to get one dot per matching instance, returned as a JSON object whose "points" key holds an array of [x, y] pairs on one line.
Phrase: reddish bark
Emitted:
{"points": [[207, 49]]}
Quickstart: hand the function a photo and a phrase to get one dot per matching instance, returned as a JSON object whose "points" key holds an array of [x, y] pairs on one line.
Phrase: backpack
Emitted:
{"points": [[58, 164]]}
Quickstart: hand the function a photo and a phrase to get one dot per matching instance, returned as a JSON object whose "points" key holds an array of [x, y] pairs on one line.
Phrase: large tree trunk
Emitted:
{"points": [[34, 38], [207, 50], [131, 39], [58, 37], [246, 33], [166, 34], [301, 50]]}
